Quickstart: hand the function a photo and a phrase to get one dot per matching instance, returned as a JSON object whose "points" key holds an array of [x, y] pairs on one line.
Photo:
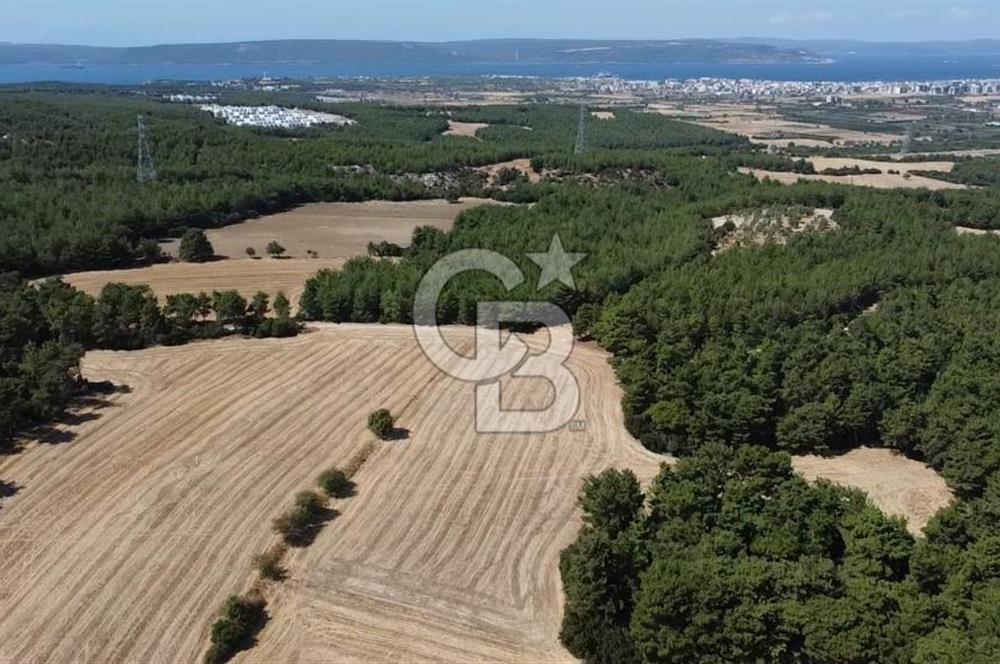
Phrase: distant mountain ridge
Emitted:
{"points": [[844, 47], [340, 51]]}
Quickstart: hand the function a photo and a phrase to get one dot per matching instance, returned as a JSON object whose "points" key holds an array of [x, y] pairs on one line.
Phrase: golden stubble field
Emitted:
{"points": [[121, 544], [135, 521], [335, 231]]}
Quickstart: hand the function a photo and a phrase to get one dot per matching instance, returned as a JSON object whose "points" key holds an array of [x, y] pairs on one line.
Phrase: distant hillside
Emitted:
{"points": [[322, 51], [842, 47]]}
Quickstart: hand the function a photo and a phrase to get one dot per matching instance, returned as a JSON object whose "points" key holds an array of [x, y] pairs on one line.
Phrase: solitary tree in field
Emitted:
{"points": [[195, 247], [251, 252], [381, 422], [274, 249]]}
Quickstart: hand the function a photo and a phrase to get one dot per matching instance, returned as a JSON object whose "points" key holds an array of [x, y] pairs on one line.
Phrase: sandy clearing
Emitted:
{"points": [[467, 129], [335, 230], [899, 486], [246, 276], [823, 163], [523, 165], [121, 545], [881, 181], [966, 230]]}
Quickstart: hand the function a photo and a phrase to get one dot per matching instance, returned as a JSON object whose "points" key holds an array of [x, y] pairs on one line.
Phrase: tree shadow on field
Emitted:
{"points": [[83, 407], [8, 489], [398, 433], [307, 536]]}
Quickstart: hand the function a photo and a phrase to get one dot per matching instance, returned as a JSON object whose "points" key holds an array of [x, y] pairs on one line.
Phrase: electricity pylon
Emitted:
{"points": [[144, 172], [581, 131]]}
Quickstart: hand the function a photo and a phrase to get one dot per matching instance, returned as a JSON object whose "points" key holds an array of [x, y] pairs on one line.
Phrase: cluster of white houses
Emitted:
{"points": [[273, 116]]}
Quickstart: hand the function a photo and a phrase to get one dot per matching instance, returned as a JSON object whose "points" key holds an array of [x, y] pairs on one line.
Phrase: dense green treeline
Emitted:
{"points": [[732, 557], [45, 328]]}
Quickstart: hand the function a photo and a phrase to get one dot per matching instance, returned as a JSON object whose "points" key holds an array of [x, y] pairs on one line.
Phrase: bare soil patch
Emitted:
{"points": [[467, 129], [523, 165], [897, 485], [771, 225], [448, 551], [966, 230], [880, 181], [603, 115]]}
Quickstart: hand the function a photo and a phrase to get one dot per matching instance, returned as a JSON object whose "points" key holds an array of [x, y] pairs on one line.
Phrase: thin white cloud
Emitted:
{"points": [[802, 17], [958, 11]]}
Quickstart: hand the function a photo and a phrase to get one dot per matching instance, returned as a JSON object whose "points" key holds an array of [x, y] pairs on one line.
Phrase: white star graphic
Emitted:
{"points": [[556, 264]]}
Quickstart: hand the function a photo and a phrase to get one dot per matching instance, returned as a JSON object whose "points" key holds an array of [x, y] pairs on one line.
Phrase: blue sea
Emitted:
{"points": [[849, 68]]}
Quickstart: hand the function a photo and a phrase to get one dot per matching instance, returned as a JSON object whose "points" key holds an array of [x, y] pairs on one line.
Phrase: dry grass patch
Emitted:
{"points": [[823, 163], [467, 129], [897, 485], [880, 181]]}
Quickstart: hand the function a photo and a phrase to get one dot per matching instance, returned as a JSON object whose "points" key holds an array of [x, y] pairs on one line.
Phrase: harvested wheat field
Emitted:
{"points": [[246, 276], [335, 230], [121, 544], [899, 486], [823, 163], [878, 181], [764, 124]]}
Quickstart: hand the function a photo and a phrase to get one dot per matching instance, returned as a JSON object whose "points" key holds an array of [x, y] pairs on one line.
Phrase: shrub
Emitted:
{"points": [[335, 483], [310, 501], [195, 246], [241, 618], [274, 249], [251, 252], [381, 423], [294, 525], [269, 562]]}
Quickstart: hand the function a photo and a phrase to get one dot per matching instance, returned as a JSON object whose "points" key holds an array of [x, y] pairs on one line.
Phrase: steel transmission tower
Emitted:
{"points": [[144, 172], [581, 131]]}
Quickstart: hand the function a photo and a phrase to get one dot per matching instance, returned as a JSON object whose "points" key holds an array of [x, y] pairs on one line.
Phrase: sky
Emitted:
{"points": [[146, 22]]}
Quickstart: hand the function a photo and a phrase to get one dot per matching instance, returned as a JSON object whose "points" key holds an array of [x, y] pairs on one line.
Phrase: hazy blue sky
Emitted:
{"points": [[150, 22]]}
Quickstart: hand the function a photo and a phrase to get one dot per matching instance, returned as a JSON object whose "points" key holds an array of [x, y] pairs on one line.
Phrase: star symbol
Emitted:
{"points": [[556, 264]]}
